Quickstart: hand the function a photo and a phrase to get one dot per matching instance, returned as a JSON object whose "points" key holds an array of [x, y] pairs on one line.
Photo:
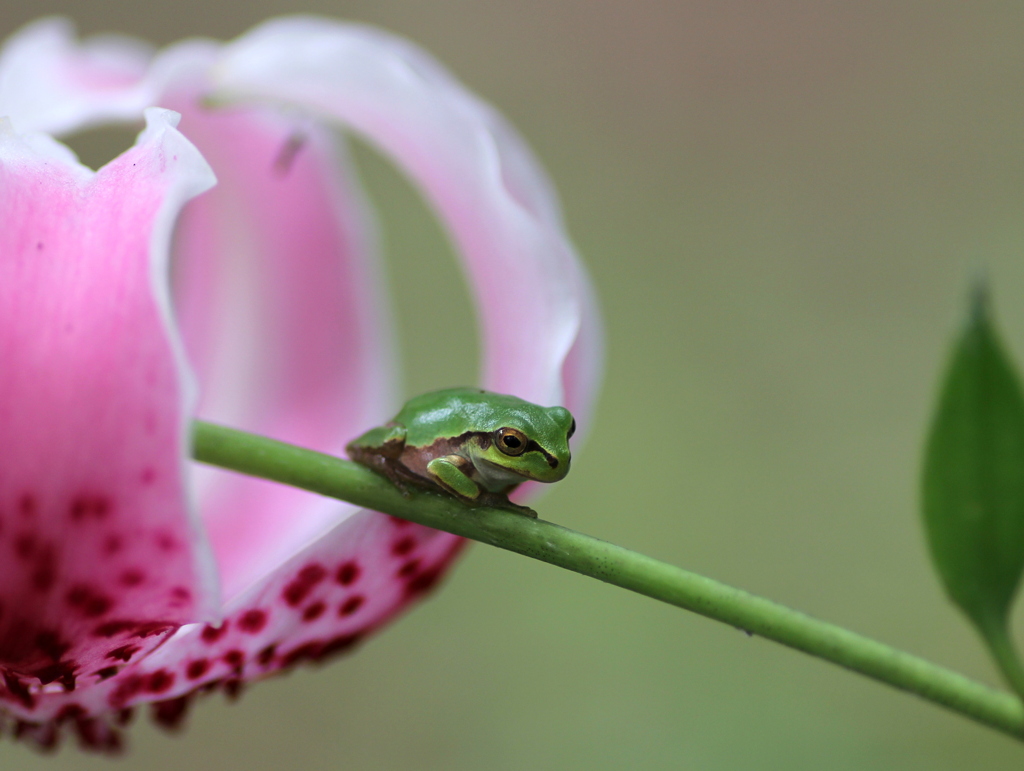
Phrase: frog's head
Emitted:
{"points": [[532, 442]]}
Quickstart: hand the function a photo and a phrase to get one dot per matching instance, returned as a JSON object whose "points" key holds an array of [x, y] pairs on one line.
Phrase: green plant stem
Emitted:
{"points": [[336, 478]]}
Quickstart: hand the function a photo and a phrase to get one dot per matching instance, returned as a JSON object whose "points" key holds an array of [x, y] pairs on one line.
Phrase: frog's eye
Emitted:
{"points": [[510, 441], [572, 429]]}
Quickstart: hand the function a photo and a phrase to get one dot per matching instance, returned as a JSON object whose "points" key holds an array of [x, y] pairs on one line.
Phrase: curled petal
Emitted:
{"points": [[283, 315], [100, 556], [535, 303]]}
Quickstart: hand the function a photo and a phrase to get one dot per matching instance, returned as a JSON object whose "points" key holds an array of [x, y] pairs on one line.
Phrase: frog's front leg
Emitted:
{"points": [[450, 473]]}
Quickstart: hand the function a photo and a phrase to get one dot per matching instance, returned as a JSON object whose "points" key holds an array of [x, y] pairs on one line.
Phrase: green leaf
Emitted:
{"points": [[973, 486]]}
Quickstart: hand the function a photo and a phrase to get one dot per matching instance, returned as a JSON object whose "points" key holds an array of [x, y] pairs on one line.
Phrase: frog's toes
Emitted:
{"points": [[500, 501], [526, 511]]}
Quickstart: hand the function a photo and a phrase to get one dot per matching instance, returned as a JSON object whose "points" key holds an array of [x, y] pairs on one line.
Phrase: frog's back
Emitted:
{"points": [[454, 412]]}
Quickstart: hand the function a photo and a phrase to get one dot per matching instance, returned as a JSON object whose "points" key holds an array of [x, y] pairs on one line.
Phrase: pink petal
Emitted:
{"points": [[283, 313], [539, 319], [100, 556]]}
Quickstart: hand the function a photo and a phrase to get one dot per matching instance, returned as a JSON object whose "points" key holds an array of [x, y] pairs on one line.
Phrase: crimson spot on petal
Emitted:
{"points": [[409, 568], [90, 603], [295, 592], [124, 653], [131, 577], [45, 573], [180, 595], [150, 628], [97, 606], [314, 611], [127, 688], [338, 645], [347, 574], [403, 546], [211, 634], [265, 656], [308, 651], [69, 712], [27, 505], [19, 690], [252, 621], [423, 582], [86, 506], [170, 714], [197, 669], [50, 644], [62, 670], [233, 688], [77, 595], [25, 545], [94, 734], [351, 605], [312, 574], [159, 681], [111, 628]]}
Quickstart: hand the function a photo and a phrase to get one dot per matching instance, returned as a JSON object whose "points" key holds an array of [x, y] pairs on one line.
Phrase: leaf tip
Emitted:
{"points": [[980, 299]]}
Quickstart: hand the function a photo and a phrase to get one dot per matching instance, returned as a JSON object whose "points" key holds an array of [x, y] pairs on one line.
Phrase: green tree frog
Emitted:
{"points": [[474, 444]]}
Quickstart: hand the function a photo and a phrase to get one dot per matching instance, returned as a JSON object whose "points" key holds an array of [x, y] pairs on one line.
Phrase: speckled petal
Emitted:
{"points": [[100, 556], [537, 309], [321, 603]]}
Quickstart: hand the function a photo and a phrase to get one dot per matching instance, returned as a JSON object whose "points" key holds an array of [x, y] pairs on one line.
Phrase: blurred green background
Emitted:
{"points": [[782, 205]]}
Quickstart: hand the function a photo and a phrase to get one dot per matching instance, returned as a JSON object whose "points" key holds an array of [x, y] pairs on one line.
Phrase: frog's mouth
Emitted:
{"points": [[497, 468], [534, 447], [506, 476]]}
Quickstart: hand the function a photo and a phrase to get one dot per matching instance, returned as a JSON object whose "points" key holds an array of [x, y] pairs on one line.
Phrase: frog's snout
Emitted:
{"points": [[559, 468]]}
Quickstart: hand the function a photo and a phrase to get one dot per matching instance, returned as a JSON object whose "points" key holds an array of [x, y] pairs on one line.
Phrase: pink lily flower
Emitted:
{"points": [[131, 302]]}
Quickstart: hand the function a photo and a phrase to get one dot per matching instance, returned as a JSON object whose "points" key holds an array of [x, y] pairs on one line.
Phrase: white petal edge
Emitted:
{"points": [[194, 177], [50, 82]]}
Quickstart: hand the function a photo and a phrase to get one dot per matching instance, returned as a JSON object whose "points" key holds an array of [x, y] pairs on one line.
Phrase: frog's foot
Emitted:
{"points": [[526, 511], [501, 501], [394, 474], [400, 485]]}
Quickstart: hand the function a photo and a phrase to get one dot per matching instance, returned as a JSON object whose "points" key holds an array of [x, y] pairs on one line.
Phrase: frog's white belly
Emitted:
{"points": [[495, 478]]}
